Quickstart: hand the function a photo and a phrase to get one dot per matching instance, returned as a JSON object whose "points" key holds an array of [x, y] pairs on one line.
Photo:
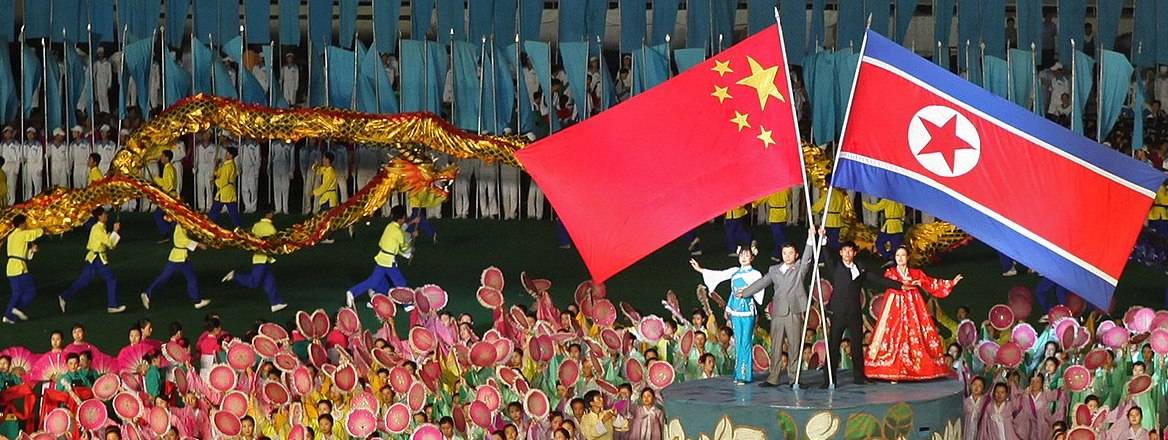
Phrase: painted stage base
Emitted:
{"points": [[719, 409]]}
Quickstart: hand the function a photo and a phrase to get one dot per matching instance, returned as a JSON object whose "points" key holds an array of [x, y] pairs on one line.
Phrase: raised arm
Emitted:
{"points": [[758, 286]]}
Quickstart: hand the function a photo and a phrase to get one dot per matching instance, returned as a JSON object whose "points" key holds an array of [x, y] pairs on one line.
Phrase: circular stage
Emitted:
{"points": [[910, 410]]}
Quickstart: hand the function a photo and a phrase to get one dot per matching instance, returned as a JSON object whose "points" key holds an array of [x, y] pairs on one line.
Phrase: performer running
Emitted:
{"points": [[101, 241], [394, 242], [178, 262], [261, 266], [167, 181], [21, 248], [740, 308], [225, 193], [905, 343]]}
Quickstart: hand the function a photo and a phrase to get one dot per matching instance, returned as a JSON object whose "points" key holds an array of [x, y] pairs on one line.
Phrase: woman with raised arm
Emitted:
{"points": [[740, 308]]}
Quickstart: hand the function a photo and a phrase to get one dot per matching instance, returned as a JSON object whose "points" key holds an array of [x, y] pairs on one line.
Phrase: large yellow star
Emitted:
{"points": [[722, 93], [740, 119], [764, 135], [722, 67], [763, 81]]}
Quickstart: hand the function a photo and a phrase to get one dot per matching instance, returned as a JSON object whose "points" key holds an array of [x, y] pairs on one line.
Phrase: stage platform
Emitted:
{"points": [[909, 410]]}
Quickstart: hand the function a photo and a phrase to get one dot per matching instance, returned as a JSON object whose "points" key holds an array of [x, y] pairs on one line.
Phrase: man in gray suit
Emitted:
{"points": [[788, 305]]}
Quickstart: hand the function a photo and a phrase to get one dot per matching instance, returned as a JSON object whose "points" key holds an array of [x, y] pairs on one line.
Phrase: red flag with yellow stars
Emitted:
{"points": [[635, 177]]}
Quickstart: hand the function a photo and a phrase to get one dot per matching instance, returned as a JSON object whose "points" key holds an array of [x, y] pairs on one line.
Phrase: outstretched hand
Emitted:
{"points": [[957, 279], [694, 264]]}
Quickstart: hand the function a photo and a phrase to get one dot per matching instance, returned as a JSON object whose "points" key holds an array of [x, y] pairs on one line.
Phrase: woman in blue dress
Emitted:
{"points": [[740, 309]]}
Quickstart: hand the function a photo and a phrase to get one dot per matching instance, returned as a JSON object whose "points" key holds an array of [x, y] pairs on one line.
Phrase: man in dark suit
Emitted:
{"points": [[847, 278], [788, 304]]}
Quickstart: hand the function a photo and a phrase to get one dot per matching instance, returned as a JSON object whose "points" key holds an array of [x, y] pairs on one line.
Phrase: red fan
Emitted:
{"points": [[1104, 327], [383, 306], [761, 359], [1009, 355], [521, 386], [1081, 433], [345, 378], [361, 423], [1024, 335], [175, 353], [422, 340], [1160, 320], [235, 402], [241, 356], [603, 312], [630, 313], [1082, 415], [480, 414], [507, 374], [634, 371], [304, 324], [876, 307], [402, 295], [607, 387], [302, 380], [422, 304], [541, 348], [503, 348], [611, 339], [1139, 384], [1075, 303], [1095, 359], [127, 406], [687, 341], [58, 422], [320, 323], [416, 397], [570, 372], [400, 379], [298, 433], [518, 317], [386, 357], [286, 361], [488, 395], [584, 294], [1001, 317], [661, 374], [221, 378], [459, 416], [489, 297], [652, 328], [1077, 378], [536, 404], [274, 331], [265, 346], [825, 291], [1058, 312], [158, 419], [348, 323], [430, 373], [365, 400], [1082, 337], [397, 418], [482, 354], [435, 295], [226, 423], [276, 394], [317, 354], [106, 386], [492, 277], [92, 415]]}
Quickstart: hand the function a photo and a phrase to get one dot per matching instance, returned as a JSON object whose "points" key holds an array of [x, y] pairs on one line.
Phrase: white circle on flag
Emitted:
{"points": [[944, 141]]}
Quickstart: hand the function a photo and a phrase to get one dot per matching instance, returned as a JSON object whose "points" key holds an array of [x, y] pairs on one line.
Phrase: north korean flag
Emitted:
{"points": [[1053, 200]]}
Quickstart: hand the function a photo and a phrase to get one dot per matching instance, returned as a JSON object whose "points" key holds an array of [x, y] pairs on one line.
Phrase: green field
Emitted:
{"points": [[318, 277]]}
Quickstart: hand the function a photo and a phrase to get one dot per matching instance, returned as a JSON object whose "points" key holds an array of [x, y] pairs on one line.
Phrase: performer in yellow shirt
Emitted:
{"points": [[891, 228], [1158, 216], [834, 222], [21, 247], [94, 169], [394, 242], [261, 266], [737, 232], [777, 211], [167, 181], [326, 193], [419, 219], [178, 262], [101, 241], [225, 193]]}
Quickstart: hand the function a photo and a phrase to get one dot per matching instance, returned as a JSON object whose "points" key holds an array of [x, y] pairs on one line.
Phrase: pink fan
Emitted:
{"points": [[92, 415], [397, 418], [298, 432], [47, 367], [265, 346], [383, 306], [402, 295], [1001, 317], [1058, 312], [541, 348], [235, 402], [584, 294], [489, 297], [241, 356], [345, 378], [348, 323], [21, 358], [1020, 293], [661, 374], [302, 380], [273, 331], [1161, 320], [1077, 378], [536, 404], [127, 406], [489, 396], [422, 304], [1159, 341], [1081, 433], [286, 361], [221, 378], [361, 423], [503, 348], [630, 313], [1009, 355], [226, 423], [1141, 320], [825, 291], [603, 312], [492, 277], [482, 354], [175, 353], [158, 419], [400, 379], [634, 371], [570, 372], [276, 394], [652, 328], [422, 340], [320, 323], [819, 349], [480, 414], [987, 352], [435, 295], [1103, 328], [106, 386], [1024, 335], [58, 421], [612, 339], [761, 359], [426, 431], [365, 400], [966, 333], [416, 397], [1115, 337]]}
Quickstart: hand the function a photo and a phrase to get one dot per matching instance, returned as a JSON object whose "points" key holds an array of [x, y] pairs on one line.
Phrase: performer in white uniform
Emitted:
{"points": [[204, 170], [368, 164], [59, 161], [487, 188], [33, 164], [290, 78], [102, 80], [509, 191], [534, 201], [281, 165], [106, 147], [249, 174], [79, 154], [309, 154], [467, 169], [13, 152], [179, 152]]}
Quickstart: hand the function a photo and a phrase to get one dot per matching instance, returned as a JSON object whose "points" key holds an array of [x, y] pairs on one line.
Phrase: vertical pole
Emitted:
{"points": [[122, 83], [22, 135], [92, 92], [356, 67], [482, 75], [65, 72], [1074, 88], [162, 68], [1099, 98], [1034, 78]]}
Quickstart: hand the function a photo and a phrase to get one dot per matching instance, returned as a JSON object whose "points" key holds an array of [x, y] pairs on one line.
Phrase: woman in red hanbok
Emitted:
{"points": [[905, 343]]}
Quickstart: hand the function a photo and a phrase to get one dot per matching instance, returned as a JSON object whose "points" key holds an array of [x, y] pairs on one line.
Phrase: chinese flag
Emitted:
{"points": [[635, 177]]}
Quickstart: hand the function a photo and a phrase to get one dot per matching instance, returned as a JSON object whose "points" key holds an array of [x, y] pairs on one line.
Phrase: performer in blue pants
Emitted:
{"points": [[741, 309], [21, 247], [261, 274], [178, 262], [97, 263], [737, 235], [1045, 288], [394, 242], [225, 191]]}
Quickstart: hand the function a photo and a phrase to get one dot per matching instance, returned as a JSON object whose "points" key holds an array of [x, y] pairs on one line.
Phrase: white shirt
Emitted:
{"points": [[855, 270]]}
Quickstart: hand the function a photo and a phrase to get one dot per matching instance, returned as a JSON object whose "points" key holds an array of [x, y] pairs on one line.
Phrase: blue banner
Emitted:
{"points": [[481, 21], [1021, 77], [7, 27], [138, 56], [8, 91], [201, 68], [688, 57], [341, 75], [1138, 99], [413, 76], [968, 33], [697, 23], [253, 92], [451, 19], [274, 95], [942, 30], [574, 56], [723, 23], [257, 16], [759, 14], [1071, 16], [794, 30], [650, 67], [996, 76], [385, 24], [522, 101], [850, 27], [320, 23], [64, 20], [632, 26], [1116, 72], [176, 22], [228, 19], [665, 20], [904, 14], [846, 65], [31, 78], [880, 13], [178, 81], [818, 33], [290, 21], [993, 21], [1083, 79], [375, 75], [36, 23], [1162, 32], [53, 94], [421, 12], [540, 55], [76, 70], [205, 20], [347, 24], [505, 12], [101, 14], [437, 62], [819, 78], [466, 84], [504, 91], [530, 19], [1030, 25], [1107, 23]]}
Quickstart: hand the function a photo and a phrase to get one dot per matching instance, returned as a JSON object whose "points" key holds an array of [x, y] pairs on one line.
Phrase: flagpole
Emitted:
{"points": [[968, 71], [1099, 98], [831, 186], [1033, 78], [603, 73], [122, 85], [23, 104], [271, 104], [45, 90], [518, 77], [453, 96], [981, 48], [214, 90], [482, 74], [1009, 76], [162, 68], [353, 98], [588, 96], [425, 73], [807, 201], [65, 73], [1074, 106]]}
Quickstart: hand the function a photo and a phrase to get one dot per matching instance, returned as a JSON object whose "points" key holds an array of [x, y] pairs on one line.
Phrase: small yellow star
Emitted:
{"points": [[740, 119], [765, 136], [722, 67], [763, 81], [722, 93]]}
